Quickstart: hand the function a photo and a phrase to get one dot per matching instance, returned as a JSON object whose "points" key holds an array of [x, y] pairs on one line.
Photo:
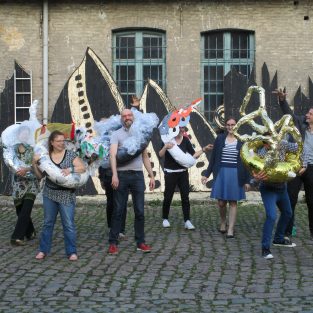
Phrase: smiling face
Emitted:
{"points": [[58, 143], [230, 125], [309, 117], [127, 118]]}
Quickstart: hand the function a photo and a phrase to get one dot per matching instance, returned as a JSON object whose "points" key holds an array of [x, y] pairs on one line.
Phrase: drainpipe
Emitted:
{"points": [[45, 66]]}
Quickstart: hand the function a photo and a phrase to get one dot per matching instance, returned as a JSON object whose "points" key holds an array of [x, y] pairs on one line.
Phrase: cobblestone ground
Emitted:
{"points": [[188, 271]]}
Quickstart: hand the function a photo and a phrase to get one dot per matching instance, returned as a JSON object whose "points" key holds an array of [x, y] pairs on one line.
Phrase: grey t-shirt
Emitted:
{"points": [[119, 137]]}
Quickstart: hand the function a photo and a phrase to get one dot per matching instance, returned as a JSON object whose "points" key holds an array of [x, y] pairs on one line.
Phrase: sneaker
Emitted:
{"points": [[122, 236], [284, 243], [189, 226], [17, 242], [113, 249], [166, 223], [144, 248], [266, 254]]}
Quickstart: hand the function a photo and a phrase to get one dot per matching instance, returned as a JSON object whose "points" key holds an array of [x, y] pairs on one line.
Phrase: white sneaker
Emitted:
{"points": [[189, 226], [122, 236], [166, 224]]}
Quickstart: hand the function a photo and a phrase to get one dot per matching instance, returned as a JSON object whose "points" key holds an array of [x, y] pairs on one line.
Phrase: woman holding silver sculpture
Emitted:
{"points": [[59, 199]]}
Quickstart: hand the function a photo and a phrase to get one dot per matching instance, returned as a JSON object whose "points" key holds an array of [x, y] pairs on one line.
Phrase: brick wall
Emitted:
{"points": [[283, 38]]}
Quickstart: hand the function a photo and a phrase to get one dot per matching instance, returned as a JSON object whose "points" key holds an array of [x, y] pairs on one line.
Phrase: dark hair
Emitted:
{"points": [[52, 136], [230, 118]]}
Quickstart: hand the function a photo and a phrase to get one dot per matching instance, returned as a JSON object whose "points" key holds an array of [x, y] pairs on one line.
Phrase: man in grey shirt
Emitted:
{"points": [[128, 177], [305, 174]]}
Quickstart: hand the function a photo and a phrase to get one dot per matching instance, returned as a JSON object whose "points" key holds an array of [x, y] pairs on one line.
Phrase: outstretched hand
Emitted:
{"points": [[281, 93], [207, 148]]}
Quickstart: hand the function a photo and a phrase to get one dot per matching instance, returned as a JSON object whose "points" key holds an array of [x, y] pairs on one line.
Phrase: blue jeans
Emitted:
{"points": [[132, 181], [271, 198], [67, 211]]}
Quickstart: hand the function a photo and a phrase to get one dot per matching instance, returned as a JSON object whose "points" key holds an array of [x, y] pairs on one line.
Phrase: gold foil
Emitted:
{"points": [[272, 134]]}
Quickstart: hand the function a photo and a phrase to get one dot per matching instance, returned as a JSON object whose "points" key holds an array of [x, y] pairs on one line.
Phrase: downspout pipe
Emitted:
{"points": [[45, 65]]}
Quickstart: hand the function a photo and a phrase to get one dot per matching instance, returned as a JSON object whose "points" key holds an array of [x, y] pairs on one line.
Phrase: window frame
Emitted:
{"points": [[226, 61], [138, 61]]}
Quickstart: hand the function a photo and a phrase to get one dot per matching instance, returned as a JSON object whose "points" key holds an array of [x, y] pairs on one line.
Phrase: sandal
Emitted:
{"points": [[40, 256], [73, 257], [222, 231]]}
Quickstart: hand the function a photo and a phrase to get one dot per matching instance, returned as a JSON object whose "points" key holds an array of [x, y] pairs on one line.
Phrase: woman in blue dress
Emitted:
{"points": [[230, 178]]}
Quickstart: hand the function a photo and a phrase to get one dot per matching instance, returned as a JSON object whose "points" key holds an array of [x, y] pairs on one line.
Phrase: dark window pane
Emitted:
{"points": [[213, 46], [206, 72], [152, 47], [240, 45], [206, 103], [131, 86], [131, 72], [152, 71], [122, 86], [206, 47], [125, 99], [220, 72], [22, 100], [220, 86], [125, 47], [212, 86], [22, 85], [219, 101], [22, 115], [206, 86], [212, 73]]}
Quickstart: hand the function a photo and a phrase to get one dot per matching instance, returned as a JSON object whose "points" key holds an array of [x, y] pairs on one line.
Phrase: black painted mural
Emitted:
{"points": [[90, 94]]}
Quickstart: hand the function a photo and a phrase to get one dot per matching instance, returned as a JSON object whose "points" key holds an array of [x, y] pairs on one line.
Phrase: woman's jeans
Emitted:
{"points": [[273, 198], [67, 211]]}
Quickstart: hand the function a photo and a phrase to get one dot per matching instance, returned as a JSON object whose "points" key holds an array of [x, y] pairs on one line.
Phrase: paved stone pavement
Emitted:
{"points": [[187, 271]]}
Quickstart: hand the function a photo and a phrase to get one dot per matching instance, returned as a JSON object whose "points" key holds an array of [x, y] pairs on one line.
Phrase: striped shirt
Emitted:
{"points": [[308, 149], [229, 154]]}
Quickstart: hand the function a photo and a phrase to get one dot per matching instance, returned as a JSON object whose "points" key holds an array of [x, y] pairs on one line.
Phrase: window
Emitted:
{"points": [[222, 50], [22, 94], [137, 56]]}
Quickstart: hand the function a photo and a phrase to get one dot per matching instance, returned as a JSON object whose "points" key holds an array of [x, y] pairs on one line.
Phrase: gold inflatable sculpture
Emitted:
{"points": [[270, 134]]}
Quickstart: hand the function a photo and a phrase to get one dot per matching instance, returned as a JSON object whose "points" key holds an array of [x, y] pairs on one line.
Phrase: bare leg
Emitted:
{"points": [[232, 217], [222, 207]]}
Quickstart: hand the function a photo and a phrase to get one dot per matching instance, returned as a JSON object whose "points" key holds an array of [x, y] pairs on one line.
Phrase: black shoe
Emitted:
{"points": [[286, 242], [230, 236], [266, 254], [32, 236]]}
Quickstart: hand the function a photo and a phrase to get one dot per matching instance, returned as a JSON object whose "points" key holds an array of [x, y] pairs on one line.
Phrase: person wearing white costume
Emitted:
{"points": [[176, 174]]}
